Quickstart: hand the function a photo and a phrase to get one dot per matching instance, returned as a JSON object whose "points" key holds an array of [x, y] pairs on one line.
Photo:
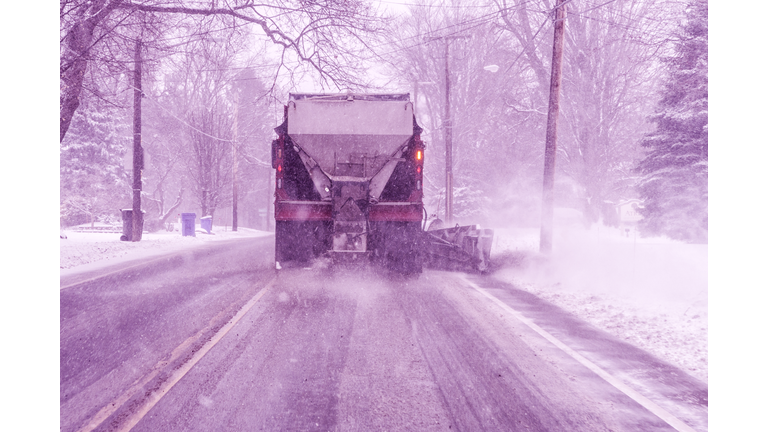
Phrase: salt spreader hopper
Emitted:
{"points": [[349, 183]]}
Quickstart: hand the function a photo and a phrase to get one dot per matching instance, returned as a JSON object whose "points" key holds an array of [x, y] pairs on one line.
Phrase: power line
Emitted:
{"points": [[525, 48], [434, 6], [600, 5], [484, 18], [184, 122], [533, 39], [421, 37]]}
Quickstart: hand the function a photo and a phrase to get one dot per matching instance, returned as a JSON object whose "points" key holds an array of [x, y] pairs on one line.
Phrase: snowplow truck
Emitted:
{"points": [[349, 180]]}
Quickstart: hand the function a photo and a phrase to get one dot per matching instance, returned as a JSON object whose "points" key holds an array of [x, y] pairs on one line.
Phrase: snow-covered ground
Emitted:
{"points": [[82, 251], [650, 292]]}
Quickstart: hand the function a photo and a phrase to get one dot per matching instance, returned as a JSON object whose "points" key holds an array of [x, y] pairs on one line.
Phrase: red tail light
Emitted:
{"points": [[280, 168]]}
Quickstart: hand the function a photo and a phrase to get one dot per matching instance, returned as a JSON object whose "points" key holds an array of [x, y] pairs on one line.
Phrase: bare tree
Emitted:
{"points": [[198, 92], [164, 173], [609, 73], [255, 131], [324, 36], [80, 30], [495, 123], [609, 77]]}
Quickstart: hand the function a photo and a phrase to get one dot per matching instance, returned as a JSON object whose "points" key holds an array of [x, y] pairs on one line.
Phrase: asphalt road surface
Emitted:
{"points": [[215, 340]]}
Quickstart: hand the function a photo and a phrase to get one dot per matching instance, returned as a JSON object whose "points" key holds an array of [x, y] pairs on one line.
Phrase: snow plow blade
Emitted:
{"points": [[461, 246]]}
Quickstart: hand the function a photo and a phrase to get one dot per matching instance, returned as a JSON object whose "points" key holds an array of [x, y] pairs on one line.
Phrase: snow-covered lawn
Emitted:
{"points": [[649, 292]]}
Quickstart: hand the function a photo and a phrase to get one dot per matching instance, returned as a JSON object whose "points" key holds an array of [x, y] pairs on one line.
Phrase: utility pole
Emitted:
{"points": [[138, 150], [448, 144], [548, 194], [448, 126], [234, 165]]}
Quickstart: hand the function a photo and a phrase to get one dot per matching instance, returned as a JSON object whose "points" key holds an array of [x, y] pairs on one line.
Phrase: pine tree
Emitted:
{"points": [[94, 184], [675, 168]]}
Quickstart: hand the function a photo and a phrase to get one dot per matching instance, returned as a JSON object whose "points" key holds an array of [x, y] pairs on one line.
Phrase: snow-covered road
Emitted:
{"points": [[652, 293]]}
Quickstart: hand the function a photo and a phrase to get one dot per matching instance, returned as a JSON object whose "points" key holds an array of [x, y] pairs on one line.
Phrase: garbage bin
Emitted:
{"points": [[188, 224], [127, 224], [206, 223]]}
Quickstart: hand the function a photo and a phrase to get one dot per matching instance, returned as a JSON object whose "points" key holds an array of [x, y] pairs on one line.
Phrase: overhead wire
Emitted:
{"points": [[453, 29], [433, 5], [422, 37], [484, 18], [180, 120], [522, 51], [541, 27]]}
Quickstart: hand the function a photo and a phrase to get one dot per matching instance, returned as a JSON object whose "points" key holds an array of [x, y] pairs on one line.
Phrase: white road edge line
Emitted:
{"points": [[642, 400], [150, 261], [178, 374], [61, 288]]}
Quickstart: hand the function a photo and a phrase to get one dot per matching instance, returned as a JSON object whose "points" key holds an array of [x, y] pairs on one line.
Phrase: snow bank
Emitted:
{"points": [[650, 292], [83, 251]]}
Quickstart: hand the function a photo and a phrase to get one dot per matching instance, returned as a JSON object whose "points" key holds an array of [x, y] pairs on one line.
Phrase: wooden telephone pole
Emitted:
{"points": [[548, 195], [448, 144], [448, 125], [234, 164], [138, 150]]}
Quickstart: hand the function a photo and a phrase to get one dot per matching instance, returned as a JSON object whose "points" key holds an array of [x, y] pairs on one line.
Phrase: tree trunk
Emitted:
{"points": [[74, 59], [173, 208]]}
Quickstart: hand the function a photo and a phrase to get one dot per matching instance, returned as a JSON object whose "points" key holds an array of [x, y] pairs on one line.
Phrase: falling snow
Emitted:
{"points": [[651, 293]]}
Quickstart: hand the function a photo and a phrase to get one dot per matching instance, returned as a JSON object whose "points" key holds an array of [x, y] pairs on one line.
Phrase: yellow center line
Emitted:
{"points": [[179, 373]]}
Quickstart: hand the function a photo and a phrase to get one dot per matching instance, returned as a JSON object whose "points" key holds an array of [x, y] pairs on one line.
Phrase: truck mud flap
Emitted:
{"points": [[459, 247], [398, 246], [300, 241]]}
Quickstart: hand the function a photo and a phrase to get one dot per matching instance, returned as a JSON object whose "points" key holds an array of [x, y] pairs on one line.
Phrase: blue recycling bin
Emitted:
{"points": [[188, 224], [206, 223]]}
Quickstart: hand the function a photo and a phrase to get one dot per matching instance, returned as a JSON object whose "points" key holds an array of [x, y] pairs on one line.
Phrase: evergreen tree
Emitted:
{"points": [[94, 184], [675, 168]]}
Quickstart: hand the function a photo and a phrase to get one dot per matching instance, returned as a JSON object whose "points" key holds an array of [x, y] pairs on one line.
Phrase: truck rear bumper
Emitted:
{"points": [[395, 212], [303, 211], [323, 211]]}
